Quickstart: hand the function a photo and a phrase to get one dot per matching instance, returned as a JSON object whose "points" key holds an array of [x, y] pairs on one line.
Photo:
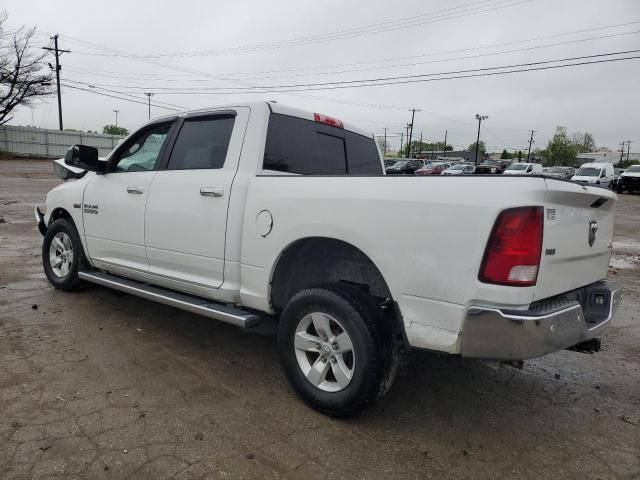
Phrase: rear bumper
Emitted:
{"points": [[42, 226], [547, 326]]}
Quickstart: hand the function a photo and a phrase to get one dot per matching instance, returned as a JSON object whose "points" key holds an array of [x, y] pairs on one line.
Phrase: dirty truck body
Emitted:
{"points": [[257, 210]]}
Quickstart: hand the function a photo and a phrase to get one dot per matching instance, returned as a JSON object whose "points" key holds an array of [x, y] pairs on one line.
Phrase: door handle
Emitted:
{"points": [[137, 190], [212, 191]]}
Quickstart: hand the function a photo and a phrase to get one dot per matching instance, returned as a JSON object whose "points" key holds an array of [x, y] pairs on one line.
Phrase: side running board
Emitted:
{"points": [[200, 306]]}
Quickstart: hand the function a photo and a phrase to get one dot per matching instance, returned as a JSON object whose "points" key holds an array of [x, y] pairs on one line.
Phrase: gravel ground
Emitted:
{"points": [[99, 384]]}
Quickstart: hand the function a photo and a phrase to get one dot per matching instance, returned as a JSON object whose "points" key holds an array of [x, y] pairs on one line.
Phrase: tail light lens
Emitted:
{"points": [[512, 256]]}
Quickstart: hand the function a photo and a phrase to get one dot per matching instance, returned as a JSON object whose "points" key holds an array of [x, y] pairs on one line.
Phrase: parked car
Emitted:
{"points": [[405, 167], [595, 173], [560, 172], [629, 180], [253, 212], [616, 177], [487, 168], [492, 166], [523, 169], [389, 161], [459, 169], [431, 169]]}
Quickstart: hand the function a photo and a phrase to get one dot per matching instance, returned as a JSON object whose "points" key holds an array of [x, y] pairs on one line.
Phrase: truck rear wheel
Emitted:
{"points": [[335, 350], [62, 255]]}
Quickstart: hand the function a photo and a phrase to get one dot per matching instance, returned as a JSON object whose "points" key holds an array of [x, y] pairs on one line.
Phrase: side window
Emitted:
{"points": [[202, 143], [141, 153], [295, 145]]}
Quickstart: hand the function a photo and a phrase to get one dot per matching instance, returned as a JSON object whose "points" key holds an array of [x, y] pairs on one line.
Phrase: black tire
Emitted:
{"points": [[374, 350], [70, 280]]}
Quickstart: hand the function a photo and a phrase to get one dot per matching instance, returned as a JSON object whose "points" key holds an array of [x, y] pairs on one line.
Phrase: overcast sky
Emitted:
{"points": [[603, 99]]}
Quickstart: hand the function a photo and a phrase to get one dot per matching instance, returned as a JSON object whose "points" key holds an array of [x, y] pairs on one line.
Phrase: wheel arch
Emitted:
{"points": [[61, 212], [317, 260]]}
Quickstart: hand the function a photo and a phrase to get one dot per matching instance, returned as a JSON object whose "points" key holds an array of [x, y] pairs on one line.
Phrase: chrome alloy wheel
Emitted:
{"points": [[324, 352], [61, 254]]}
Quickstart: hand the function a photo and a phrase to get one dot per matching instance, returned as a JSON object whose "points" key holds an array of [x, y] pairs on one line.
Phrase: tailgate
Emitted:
{"points": [[578, 231]]}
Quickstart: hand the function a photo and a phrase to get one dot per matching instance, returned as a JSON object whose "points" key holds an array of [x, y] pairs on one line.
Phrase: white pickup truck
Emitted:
{"points": [[256, 211]]}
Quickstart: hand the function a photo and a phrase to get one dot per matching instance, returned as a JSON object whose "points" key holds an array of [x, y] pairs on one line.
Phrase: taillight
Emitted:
{"points": [[327, 120], [513, 252]]}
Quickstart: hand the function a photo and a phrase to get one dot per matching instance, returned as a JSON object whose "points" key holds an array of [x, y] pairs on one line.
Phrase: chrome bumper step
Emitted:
{"points": [[197, 305]]}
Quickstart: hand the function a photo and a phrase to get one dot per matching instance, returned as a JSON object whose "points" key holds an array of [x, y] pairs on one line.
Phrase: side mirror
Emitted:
{"points": [[85, 157]]}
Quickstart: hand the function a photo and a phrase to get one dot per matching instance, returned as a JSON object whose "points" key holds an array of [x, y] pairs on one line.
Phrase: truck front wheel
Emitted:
{"points": [[62, 255], [335, 349]]}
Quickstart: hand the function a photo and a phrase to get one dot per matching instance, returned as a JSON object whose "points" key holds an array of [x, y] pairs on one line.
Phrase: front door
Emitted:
{"points": [[114, 203], [186, 215]]}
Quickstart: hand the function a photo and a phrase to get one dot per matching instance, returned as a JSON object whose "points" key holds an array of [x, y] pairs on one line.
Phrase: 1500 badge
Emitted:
{"points": [[92, 209]]}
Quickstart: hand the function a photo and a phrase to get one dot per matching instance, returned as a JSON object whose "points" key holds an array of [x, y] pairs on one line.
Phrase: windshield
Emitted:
{"points": [[588, 172], [457, 167], [518, 166], [556, 170], [401, 163], [633, 169]]}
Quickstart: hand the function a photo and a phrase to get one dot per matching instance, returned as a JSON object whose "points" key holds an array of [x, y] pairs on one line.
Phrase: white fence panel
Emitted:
{"points": [[40, 142]]}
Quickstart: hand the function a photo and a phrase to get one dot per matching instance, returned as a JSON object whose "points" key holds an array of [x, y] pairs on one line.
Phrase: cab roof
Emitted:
{"points": [[273, 106]]}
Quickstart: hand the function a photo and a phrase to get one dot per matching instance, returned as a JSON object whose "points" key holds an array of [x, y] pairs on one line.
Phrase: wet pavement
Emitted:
{"points": [[98, 384]]}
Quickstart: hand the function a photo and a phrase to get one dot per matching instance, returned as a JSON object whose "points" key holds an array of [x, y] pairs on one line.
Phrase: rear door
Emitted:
{"points": [[186, 215]]}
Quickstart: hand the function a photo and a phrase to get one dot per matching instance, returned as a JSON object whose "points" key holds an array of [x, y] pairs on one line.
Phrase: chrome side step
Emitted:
{"points": [[200, 306]]}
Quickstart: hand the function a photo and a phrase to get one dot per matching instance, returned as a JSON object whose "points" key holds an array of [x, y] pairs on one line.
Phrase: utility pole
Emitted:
{"points": [[408, 144], [57, 52], [401, 139], [384, 145], [622, 150], [116, 112], [149, 95], [444, 150], [420, 152], [413, 114], [530, 142], [628, 149], [479, 118]]}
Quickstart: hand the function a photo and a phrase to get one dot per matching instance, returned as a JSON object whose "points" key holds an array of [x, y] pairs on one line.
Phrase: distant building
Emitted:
{"points": [[605, 157]]}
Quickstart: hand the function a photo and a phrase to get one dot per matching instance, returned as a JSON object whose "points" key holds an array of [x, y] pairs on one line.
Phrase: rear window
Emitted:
{"points": [[296, 145]]}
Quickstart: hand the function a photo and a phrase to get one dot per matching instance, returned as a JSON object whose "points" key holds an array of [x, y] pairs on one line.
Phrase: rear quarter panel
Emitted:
{"points": [[426, 235]]}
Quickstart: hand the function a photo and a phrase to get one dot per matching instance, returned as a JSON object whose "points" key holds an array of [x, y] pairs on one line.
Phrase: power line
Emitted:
{"points": [[133, 95], [413, 21], [114, 96], [474, 72], [109, 73], [412, 64]]}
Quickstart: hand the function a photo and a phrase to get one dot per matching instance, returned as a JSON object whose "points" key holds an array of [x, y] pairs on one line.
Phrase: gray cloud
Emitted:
{"points": [[602, 99]]}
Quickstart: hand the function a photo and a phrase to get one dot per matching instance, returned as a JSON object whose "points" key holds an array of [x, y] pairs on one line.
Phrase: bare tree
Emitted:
{"points": [[23, 77]]}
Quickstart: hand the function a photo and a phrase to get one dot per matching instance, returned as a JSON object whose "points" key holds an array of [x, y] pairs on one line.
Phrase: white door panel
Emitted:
{"points": [[114, 218], [185, 229]]}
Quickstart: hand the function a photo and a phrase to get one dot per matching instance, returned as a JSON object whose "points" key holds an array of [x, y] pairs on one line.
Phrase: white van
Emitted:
{"points": [[524, 169], [598, 173]]}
